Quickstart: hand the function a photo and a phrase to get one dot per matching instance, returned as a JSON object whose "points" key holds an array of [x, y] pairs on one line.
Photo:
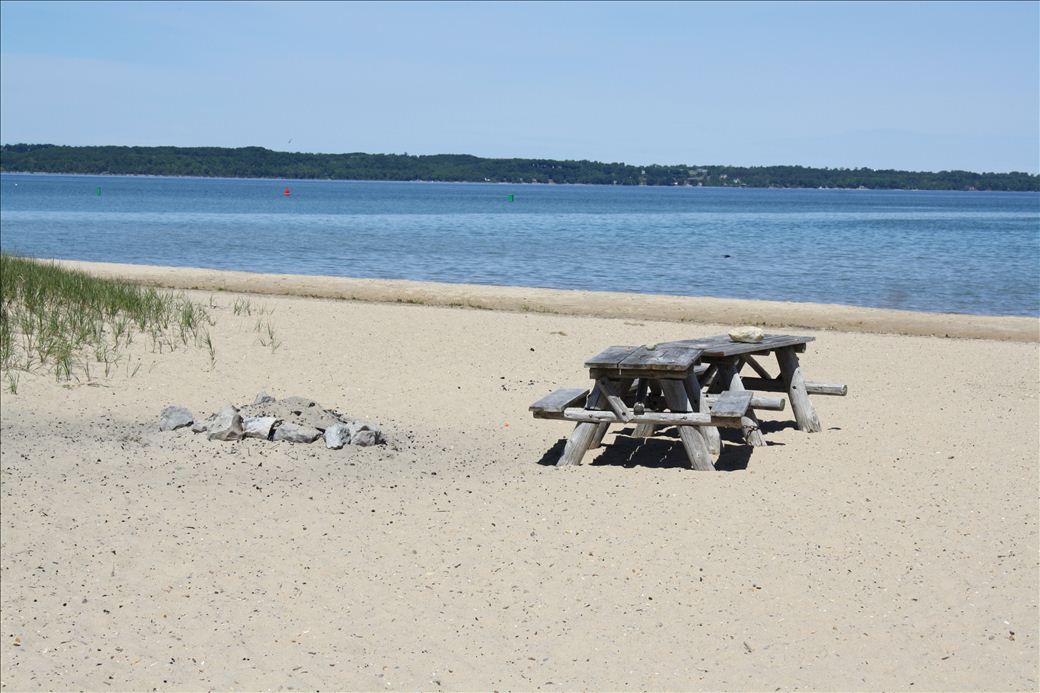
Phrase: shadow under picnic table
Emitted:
{"points": [[663, 451], [773, 426]]}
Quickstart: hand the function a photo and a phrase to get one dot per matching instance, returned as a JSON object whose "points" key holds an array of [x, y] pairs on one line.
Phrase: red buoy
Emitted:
{"points": [[287, 193]]}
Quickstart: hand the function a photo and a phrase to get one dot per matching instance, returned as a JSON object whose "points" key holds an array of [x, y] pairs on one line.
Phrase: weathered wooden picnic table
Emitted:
{"points": [[636, 384]]}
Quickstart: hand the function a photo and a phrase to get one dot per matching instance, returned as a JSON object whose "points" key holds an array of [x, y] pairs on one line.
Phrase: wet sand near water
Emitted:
{"points": [[775, 314]]}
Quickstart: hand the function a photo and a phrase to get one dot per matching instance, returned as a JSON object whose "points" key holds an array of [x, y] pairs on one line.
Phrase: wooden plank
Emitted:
{"points": [[750, 428], [687, 419], [655, 398], [693, 441], [601, 430], [704, 343], [757, 402], [723, 376], [670, 359], [804, 412], [643, 431], [755, 366], [708, 377], [749, 422], [610, 357], [614, 401], [597, 439], [558, 400], [731, 404], [826, 389], [693, 392], [634, 373], [721, 346], [582, 436], [711, 438], [642, 390], [778, 385], [769, 343], [699, 404]]}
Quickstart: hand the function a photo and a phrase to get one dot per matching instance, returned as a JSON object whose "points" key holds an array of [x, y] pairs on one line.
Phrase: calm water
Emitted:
{"points": [[934, 251]]}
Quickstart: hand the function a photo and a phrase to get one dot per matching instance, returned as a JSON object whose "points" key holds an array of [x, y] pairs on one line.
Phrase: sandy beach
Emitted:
{"points": [[897, 549], [598, 304]]}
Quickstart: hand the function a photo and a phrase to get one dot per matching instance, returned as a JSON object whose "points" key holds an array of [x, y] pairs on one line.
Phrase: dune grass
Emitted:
{"points": [[53, 318]]}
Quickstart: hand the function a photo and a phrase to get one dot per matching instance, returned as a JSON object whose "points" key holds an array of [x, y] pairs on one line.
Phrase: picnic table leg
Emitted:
{"points": [[700, 404], [643, 430], [804, 412], [719, 381], [583, 435], [653, 393], [708, 376], [601, 429], [693, 441], [749, 422]]}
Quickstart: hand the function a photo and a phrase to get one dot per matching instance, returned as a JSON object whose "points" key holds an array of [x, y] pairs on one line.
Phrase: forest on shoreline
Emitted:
{"points": [[258, 162]]}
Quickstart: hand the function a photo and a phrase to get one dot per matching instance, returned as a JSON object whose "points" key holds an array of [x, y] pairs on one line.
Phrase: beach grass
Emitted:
{"points": [[72, 323]]}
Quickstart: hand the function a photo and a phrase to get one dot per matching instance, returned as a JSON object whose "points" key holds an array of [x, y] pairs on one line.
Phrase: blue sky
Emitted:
{"points": [[918, 86]]}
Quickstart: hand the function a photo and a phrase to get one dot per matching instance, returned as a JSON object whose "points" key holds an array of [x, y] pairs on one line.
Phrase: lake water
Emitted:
{"points": [[933, 251]]}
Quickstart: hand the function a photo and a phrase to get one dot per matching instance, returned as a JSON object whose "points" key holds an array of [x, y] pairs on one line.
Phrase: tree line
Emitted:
{"points": [[258, 162]]}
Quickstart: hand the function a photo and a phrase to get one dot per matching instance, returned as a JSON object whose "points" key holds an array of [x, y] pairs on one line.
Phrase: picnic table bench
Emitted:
{"points": [[637, 384]]}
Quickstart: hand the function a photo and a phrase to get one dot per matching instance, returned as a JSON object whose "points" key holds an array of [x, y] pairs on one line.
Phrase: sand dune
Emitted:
{"points": [[896, 549]]}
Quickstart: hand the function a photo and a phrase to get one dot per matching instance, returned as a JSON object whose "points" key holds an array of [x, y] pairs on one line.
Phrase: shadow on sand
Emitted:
{"points": [[663, 451], [768, 427]]}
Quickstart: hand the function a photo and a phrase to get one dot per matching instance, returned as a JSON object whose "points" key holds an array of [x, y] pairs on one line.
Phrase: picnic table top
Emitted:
{"points": [[680, 356]]}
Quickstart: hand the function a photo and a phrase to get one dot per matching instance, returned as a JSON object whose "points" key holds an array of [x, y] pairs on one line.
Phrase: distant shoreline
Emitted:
{"points": [[503, 183], [262, 163], [769, 314]]}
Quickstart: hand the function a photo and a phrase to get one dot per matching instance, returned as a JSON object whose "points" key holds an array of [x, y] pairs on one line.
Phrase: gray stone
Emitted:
{"points": [[227, 425], [262, 397], [337, 435], [365, 438], [357, 426], [259, 426], [173, 418], [750, 334], [294, 410], [365, 435], [203, 426], [293, 433]]}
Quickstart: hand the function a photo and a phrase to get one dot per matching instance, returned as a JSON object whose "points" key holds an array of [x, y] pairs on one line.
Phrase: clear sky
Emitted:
{"points": [[916, 86]]}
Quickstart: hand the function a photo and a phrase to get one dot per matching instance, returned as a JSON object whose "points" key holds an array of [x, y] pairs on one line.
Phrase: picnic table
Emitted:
{"points": [[698, 382]]}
